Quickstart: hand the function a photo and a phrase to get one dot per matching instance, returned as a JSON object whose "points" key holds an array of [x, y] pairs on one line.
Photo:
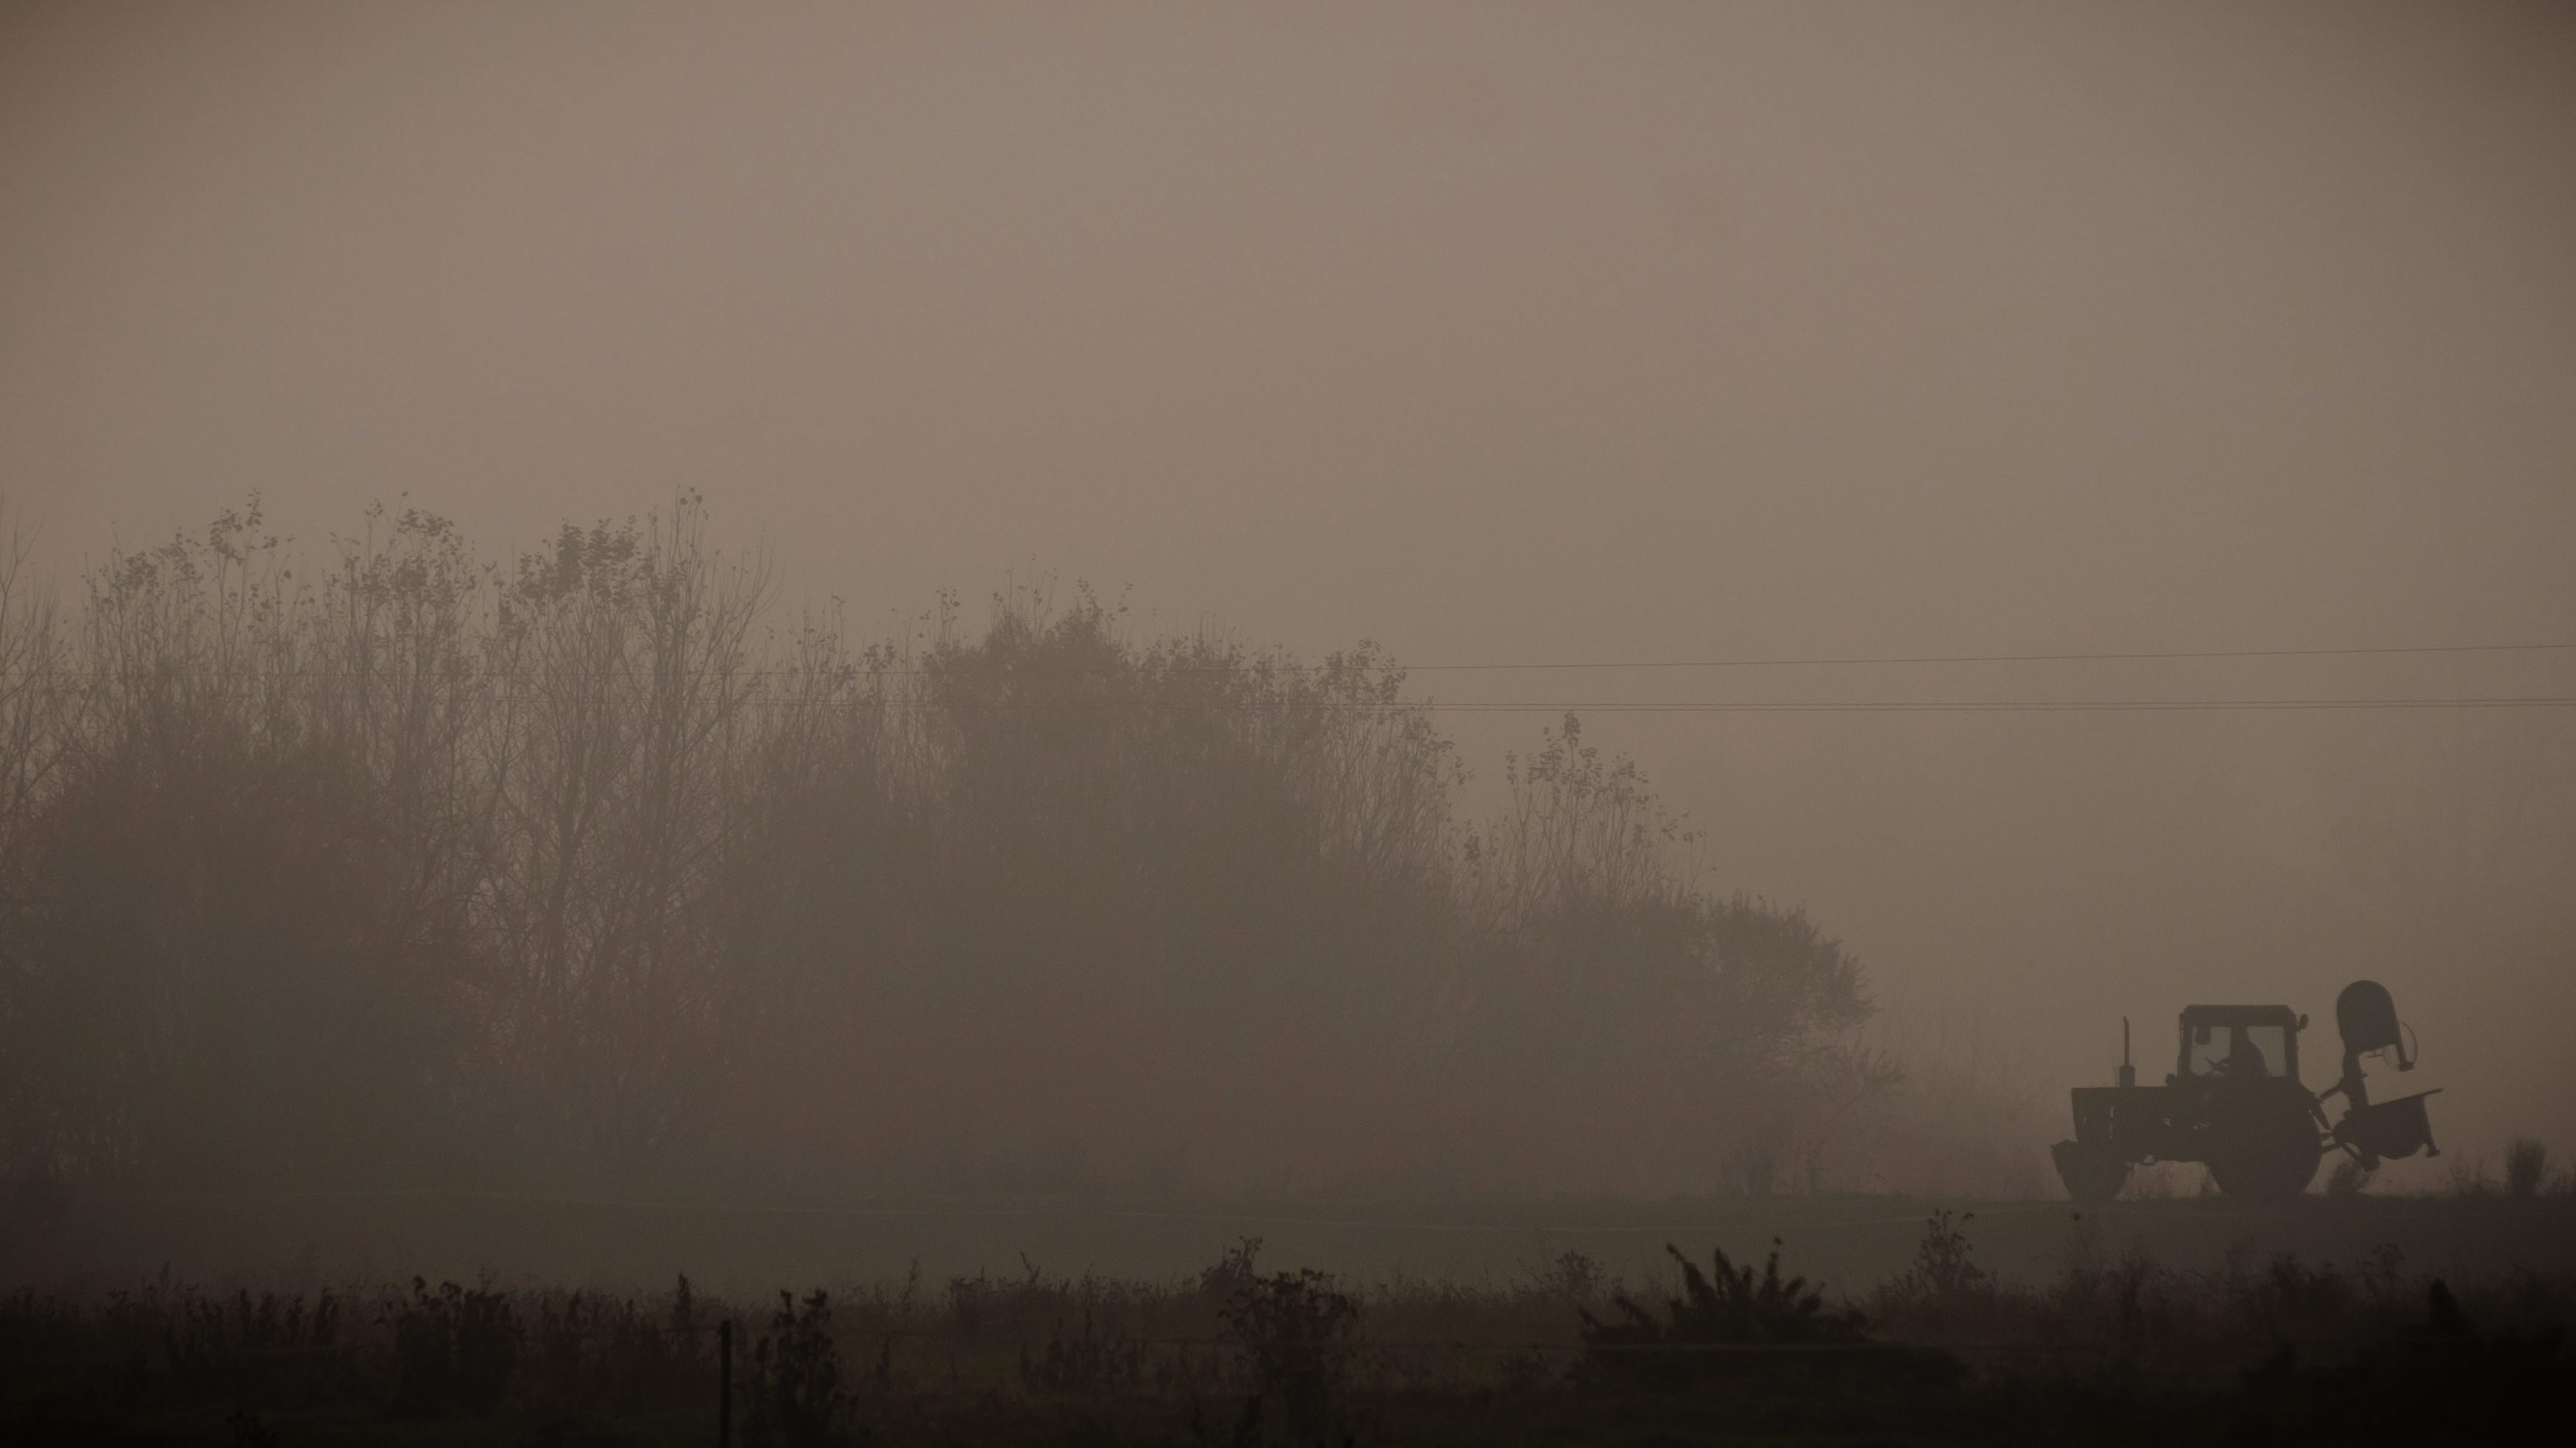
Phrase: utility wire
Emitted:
{"points": [[1874, 660], [1921, 706], [1868, 706], [836, 699], [861, 669]]}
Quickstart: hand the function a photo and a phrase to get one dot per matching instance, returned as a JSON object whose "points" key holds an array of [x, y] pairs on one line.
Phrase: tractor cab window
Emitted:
{"points": [[2238, 1051]]}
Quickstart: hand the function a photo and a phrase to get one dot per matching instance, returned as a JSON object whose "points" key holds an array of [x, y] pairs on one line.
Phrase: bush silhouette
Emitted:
{"points": [[1294, 1331], [794, 1393]]}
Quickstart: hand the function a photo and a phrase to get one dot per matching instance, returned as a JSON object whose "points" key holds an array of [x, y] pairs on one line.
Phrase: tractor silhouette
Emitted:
{"points": [[2235, 1103]]}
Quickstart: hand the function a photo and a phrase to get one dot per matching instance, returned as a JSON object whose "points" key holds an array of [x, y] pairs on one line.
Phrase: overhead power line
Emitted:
{"points": [[1876, 660], [860, 669], [2013, 706], [1618, 706], [837, 700]]}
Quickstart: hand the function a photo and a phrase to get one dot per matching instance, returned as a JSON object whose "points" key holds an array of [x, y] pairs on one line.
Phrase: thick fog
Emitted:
{"points": [[1490, 335]]}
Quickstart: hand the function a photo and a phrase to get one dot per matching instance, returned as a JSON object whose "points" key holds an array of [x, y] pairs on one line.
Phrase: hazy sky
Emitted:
{"points": [[1492, 333]]}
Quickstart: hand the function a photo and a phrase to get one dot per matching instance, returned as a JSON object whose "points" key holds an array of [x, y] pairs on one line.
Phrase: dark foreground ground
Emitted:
{"points": [[307, 1241], [2384, 1321]]}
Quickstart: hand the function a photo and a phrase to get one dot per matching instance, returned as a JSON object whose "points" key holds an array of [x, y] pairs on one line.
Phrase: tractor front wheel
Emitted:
{"points": [[2092, 1176]]}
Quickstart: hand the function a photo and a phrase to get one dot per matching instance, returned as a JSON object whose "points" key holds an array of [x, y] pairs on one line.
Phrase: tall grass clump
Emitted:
{"points": [[2526, 1166]]}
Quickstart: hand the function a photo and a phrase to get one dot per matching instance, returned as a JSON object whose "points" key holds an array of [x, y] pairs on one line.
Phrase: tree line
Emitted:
{"points": [[596, 865]]}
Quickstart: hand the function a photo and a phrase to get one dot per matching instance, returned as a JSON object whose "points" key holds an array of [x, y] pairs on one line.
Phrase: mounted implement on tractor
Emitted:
{"points": [[2235, 1102]]}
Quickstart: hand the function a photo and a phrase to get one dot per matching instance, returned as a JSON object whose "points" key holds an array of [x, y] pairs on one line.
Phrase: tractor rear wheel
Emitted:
{"points": [[2264, 1150], [2274, 1178]]}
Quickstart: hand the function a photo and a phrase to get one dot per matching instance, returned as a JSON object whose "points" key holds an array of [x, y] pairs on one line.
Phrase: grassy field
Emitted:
{"points": [[1938, 1322], [1850, 1242]]}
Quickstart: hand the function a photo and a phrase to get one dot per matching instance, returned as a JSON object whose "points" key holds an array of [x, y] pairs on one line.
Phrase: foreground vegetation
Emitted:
{"points": [[2116, 1349]]}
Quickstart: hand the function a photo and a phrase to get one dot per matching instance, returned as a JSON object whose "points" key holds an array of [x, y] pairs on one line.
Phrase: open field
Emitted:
{"points": [[2329, 1320], [1848, 1242]]}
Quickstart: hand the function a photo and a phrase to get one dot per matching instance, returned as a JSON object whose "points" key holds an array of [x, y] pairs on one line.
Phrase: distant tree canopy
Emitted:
{"points": [[417, 867]]}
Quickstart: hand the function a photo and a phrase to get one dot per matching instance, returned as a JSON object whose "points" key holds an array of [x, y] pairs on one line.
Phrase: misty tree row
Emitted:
{"points": [[400, 865]]}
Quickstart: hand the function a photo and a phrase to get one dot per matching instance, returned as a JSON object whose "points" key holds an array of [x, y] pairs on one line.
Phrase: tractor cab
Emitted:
{"points": [[2239, 1043]]}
